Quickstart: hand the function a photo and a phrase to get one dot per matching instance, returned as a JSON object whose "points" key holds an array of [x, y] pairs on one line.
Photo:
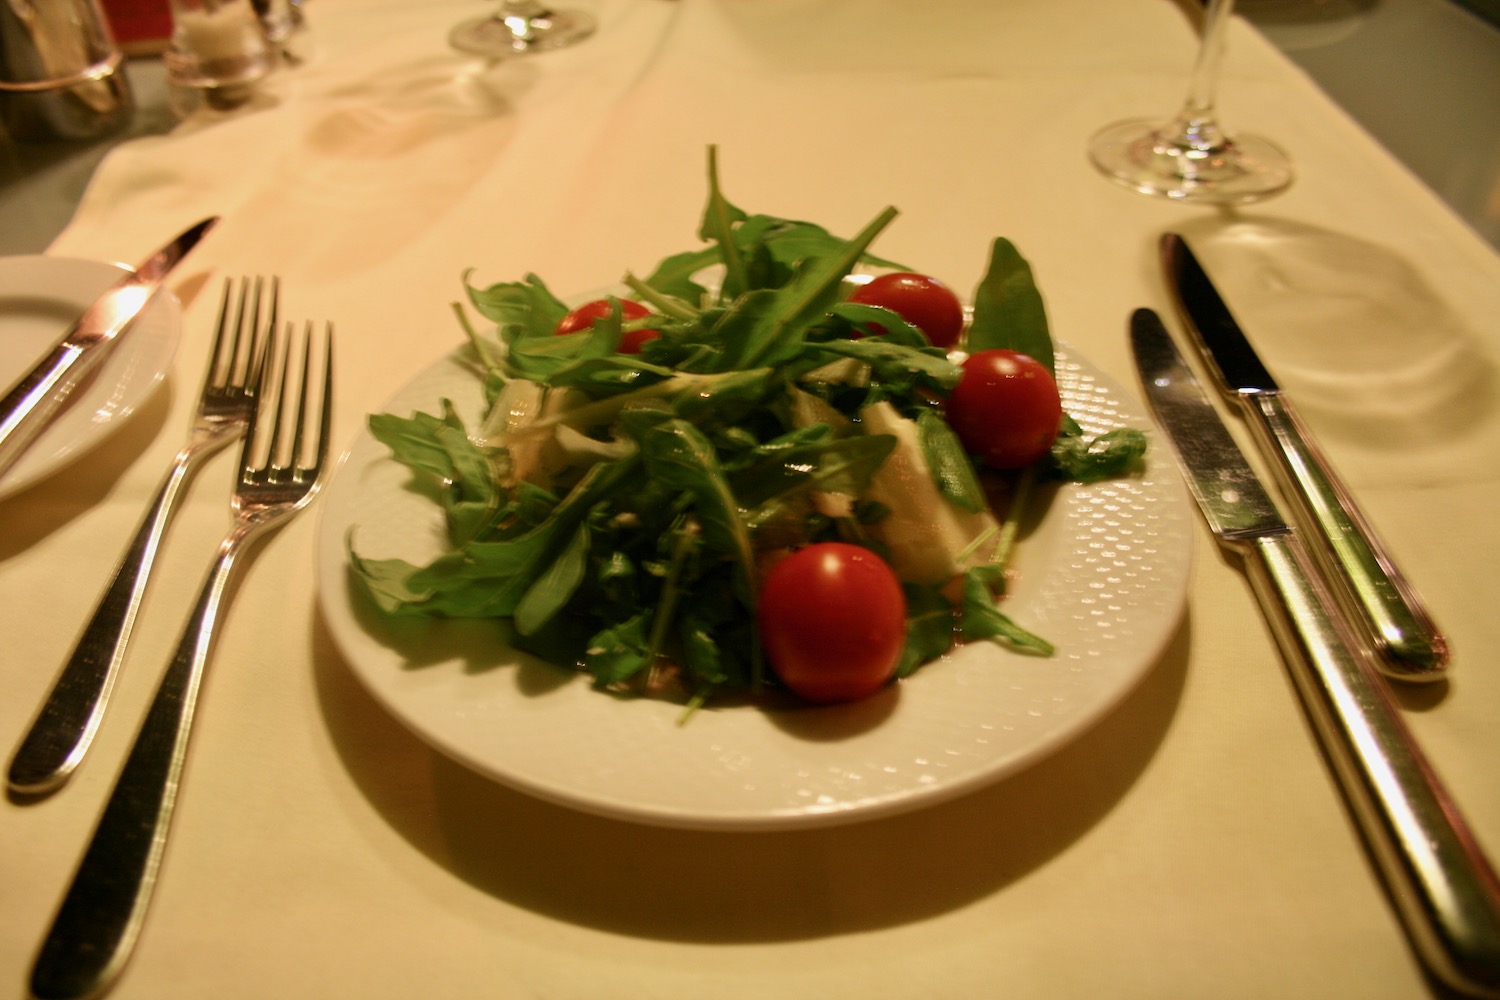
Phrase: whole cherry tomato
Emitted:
{"points": [[832, 619], [584, 316], [1005, 408], [926, 303]]}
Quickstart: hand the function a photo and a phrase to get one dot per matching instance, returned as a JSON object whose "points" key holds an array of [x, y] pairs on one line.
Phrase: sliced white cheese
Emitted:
{"points": [[807, 410], [929, 539], [574, 450], [529, 421], [520, 405]]}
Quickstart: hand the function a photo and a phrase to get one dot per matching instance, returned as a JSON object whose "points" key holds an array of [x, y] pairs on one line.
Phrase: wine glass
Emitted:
{"points": [[1191, 158], [521, 26]]}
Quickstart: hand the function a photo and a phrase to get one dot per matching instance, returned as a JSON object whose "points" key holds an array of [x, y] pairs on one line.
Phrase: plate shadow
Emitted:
{"points": [[734, 887]]}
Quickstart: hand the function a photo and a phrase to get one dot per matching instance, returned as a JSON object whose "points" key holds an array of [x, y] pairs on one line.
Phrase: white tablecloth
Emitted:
{"points": [[1190, 845]]}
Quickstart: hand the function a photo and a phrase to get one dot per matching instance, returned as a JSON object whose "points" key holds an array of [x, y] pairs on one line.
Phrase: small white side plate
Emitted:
{"points": [[40, 298]]}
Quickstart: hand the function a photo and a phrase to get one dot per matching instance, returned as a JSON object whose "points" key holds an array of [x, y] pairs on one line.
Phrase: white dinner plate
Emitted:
{"points": [[40, 298], [1104, 577]]}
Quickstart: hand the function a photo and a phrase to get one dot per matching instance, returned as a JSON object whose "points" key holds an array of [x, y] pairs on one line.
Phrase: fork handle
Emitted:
{"points": [[65, 726], [100, 918]]}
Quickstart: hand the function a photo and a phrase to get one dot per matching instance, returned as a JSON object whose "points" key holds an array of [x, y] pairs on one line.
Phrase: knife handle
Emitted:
{"points": [[31, 401], [1409, 645], [1444, 889]]}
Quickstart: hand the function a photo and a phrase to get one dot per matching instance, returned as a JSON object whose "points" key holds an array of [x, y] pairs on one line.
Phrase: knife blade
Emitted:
{"points": [[1445, 892], [40, 393], [1386, 606]]}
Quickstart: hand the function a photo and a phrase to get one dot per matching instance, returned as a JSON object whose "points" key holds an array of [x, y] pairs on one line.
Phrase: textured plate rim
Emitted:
{"points": [[588, 788]]}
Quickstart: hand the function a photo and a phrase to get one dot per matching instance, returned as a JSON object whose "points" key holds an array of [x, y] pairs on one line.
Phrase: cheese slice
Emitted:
{"points": [[928, 538]]}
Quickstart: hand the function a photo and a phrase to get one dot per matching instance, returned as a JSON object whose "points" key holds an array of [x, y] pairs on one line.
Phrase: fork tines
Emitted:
{"points": [[233, 358], [298, 378]]}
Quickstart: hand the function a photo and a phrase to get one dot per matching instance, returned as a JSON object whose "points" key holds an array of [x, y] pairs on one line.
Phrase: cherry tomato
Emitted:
{"points": [[631, 341], [833, 621], [926, 303], [1005, 408], [584, 316]]}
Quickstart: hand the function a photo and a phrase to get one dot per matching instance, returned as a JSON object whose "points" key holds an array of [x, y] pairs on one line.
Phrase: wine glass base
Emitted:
{"points": [[1169, 161], [498, 36]]}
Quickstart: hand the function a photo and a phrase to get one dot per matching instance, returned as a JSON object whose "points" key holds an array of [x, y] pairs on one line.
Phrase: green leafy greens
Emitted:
{"points": [[615, 508]]}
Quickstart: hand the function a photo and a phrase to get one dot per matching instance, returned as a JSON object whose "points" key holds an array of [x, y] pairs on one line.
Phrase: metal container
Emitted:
{"points": [[61, 76]]}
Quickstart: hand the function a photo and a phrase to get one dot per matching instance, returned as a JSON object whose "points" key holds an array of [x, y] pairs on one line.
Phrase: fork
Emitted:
{"points": [[69, 718], [282, 463]]}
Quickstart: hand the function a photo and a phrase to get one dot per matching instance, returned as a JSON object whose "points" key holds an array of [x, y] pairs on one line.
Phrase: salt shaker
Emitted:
{"points": [[218, 47]]}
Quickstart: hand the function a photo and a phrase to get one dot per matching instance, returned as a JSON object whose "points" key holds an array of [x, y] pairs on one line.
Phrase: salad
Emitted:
{"points": [[752, 474]]}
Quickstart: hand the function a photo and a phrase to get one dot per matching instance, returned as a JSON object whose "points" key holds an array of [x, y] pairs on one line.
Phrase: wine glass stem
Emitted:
{"points": [[1203, 85], [525, 9]]}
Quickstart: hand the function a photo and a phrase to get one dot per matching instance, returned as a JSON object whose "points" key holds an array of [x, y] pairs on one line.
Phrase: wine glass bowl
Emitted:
{"points": [[1191, 158], [521, 26]]}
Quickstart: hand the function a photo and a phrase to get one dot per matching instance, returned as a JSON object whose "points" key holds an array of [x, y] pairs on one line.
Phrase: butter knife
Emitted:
{"points": [[1389, 610], [39, 394], [1443, 888]]}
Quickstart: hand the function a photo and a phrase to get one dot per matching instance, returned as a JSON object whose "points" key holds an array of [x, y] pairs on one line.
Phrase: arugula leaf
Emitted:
{"points": [[480, 579], [1008, 308], [807, 297], [616, 577], [719, 218], [682, 544], [707, 658], [387, 581], [677, 304], [844, 466], [610, 374], [618, 652], [929, 628], [1113, 453], [788, 242], [674, 275], [949, 463], [892, 363], [712, 632], [739, 332], [728, 397], [528, 305], [767, 247], [538, 358], [441, 447], [426, 442], [677, 455], [889, 324], [555, 586], [979, 618]]}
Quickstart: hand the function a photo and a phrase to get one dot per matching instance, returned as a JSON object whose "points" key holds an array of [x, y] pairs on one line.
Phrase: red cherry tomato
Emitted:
{"points": [[631, 341], [584, 316], [1005, 408], [833, 621], [926, 303]]}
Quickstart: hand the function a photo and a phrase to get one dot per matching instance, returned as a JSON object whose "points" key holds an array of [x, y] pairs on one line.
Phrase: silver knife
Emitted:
{"points": [[1443, 888], [40, 393], [1400, 628]]}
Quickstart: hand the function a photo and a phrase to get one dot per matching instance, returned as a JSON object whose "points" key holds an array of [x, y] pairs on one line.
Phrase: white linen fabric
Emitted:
{"points": [[1191, 845]]}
